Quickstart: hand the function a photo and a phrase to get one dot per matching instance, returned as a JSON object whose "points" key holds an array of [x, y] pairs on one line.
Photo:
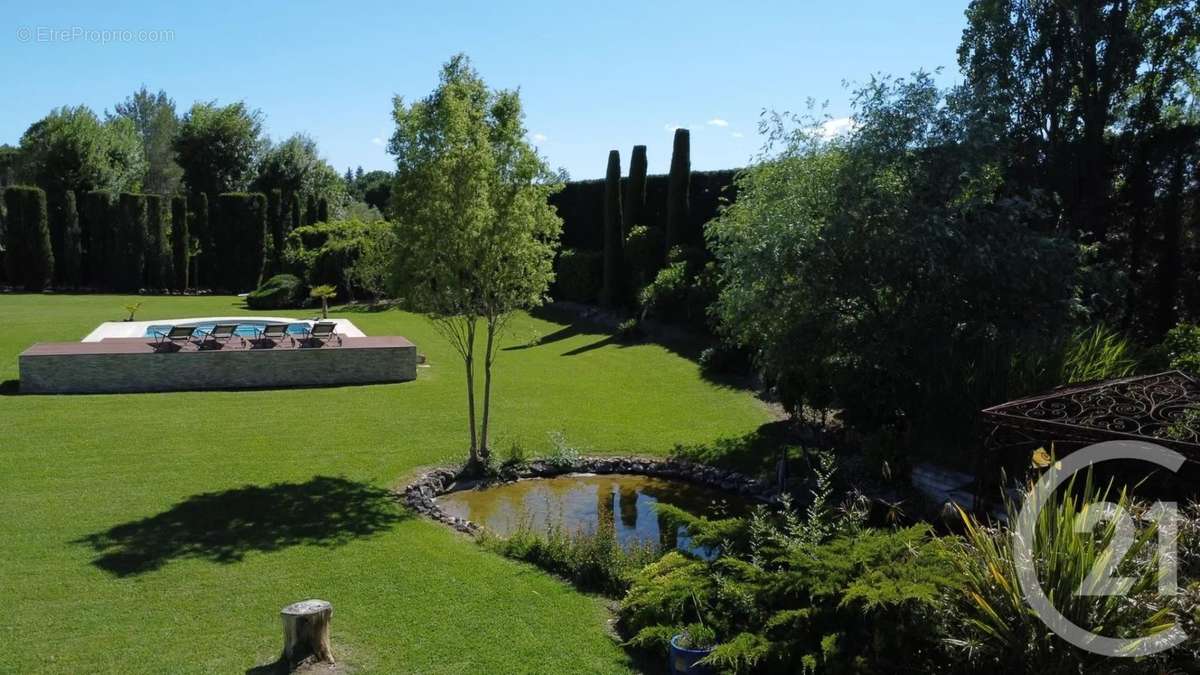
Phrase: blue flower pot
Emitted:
{"points": [[682, 661]]}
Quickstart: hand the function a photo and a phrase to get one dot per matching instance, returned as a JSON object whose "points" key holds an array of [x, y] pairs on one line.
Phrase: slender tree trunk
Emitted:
{"points": [[1171, 266], [469, 359], [488, 359]]}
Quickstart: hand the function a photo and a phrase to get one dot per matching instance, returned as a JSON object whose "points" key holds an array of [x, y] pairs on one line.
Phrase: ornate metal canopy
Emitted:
{"points": [[1163, 408]]}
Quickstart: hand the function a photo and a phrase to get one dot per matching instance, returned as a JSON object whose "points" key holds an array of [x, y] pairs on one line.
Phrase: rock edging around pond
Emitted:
{"points": [[420, 494]]}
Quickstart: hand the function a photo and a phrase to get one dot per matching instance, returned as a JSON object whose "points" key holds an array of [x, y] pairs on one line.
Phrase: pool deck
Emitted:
{"points": [[137, 329], [134, 364]]}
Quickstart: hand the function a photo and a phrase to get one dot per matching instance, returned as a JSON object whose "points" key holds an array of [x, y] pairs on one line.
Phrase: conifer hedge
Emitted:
{"points": [[159, 265], [239, 232], [614, 274], [29, 255], [97, 219], [65, 238], [678, 182], [276, 226], [180, 242], [128, 263]]}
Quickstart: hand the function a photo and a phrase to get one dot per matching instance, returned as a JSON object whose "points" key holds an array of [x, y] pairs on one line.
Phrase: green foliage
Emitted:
{"points": [[66, 239], [578, 275], [277, 230], [683, 290], [816, 590], [1180, 349], [563, 454], [71, 149], [612, 292], [912, 279], [633, 201], [29, 255], [239, 233], [217, 147], [323, 210], [155, 122], [132, 309], [201, 232], [180, 242], [130, 242], [643, 252], [593, 561], [98, 219], [159, 271], [331, 253], [475, 236], [679, 182], [295, 215], [282, 291], [1097, 353], [994, 629], [294, 167]]}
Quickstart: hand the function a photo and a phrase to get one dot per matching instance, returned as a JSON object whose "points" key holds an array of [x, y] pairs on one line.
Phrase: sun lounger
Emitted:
{"points": [[173, 337], [320, 333], [219, 336], [272, 333]]}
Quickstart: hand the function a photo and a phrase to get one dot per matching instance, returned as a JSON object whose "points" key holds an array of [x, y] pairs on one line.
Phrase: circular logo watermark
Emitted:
{"points": [[1103, 579]]}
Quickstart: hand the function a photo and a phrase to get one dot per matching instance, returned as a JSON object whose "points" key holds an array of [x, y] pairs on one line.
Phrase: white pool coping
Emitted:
{"points": [[131, 329]]}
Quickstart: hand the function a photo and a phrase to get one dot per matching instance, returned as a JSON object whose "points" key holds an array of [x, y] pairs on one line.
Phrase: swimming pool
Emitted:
{"points": [[244, 328]]}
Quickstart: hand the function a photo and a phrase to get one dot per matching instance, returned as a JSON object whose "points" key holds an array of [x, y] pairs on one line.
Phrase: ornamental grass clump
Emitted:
{"points": [[993, 628]]}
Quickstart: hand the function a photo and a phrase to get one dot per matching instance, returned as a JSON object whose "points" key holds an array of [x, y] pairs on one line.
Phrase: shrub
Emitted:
{"points": [[1097, 353], [724, 359], [813, 593], [29, 254], [1180, 348], [578, 275], [329, 253], [563, 454], [991, 624], [282, 291], [181, 244], [129, 248], [643, 251]]}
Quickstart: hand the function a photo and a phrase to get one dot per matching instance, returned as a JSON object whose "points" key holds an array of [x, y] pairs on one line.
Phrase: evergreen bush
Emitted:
{"points": [[128, 262], [282, 291], [612, 292], [181, 242], [29, 254], [66, 238], [578, 275], [678, 182]]}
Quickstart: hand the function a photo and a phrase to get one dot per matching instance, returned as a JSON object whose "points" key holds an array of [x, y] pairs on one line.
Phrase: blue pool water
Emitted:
{"points": [[245, 328]]}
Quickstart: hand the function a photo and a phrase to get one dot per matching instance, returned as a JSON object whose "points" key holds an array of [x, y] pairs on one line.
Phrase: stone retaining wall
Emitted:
{"points": [[420, 494]]}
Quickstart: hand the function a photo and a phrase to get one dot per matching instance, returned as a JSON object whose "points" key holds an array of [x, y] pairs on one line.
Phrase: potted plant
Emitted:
{"points": [[693, 644]]}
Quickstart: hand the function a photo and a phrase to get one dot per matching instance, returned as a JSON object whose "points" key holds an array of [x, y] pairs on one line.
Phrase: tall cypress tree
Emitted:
{"points": [[29, 254], [201, 230], [276, 225], [98, 221], [322, 210], [70, 263], [129, 260], [611, 293], [158, 271], [677, 191], [65, 237], [310, 211], [257, 238], [181, 243], [633, 202], [295, 212]]}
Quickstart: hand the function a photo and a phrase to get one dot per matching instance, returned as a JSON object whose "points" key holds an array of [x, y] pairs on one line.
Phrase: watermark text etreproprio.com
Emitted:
{"points": [[67, 34]]}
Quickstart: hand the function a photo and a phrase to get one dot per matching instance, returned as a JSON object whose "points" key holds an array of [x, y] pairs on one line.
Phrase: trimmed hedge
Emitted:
{"points": [[130, 242], [98, 220], [612, 291], [678, 182], [282, 291], [578, 275], [29, 255], [239, 232], [634, 198], [276, 226], [580, 204], [180, 242], [65, 238], [201, 230], [159, 268]]}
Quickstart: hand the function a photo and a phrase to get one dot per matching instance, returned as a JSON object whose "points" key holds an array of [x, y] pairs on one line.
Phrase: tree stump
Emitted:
{"points": [[306, 631]]}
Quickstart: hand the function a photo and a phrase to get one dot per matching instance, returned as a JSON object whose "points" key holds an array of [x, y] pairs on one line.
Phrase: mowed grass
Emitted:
{"points": [[162, 532]]}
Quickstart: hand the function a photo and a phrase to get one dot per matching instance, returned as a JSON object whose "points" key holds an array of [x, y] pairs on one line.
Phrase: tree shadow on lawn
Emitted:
{"points": [[223, 526]]}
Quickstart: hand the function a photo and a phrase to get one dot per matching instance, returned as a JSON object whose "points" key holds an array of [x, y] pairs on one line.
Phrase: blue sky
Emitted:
{"points": [[593, 76]]}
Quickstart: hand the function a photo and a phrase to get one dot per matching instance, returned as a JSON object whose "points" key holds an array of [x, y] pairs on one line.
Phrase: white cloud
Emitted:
{"points": [[717, 122], [378, 140], [737, 134], [836, 126], [539, 137]]}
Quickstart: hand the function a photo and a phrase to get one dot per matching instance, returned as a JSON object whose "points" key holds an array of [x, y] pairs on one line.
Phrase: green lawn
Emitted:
{"points": [[163, 532]]}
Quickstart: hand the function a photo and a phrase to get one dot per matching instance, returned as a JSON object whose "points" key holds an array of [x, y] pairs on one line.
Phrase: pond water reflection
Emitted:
{"points": [[584, 502]]}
